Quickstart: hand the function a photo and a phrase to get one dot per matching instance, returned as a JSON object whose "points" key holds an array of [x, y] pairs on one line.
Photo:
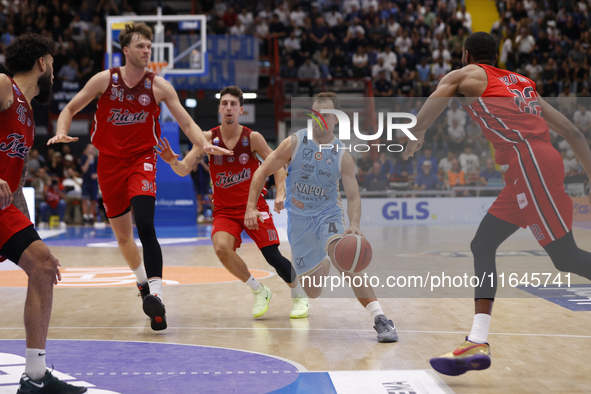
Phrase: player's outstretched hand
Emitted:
{"points": [[252, 217], [412, 147], [61, 138], [353, 229], [165, 151], [5, 194], [216, 150]]}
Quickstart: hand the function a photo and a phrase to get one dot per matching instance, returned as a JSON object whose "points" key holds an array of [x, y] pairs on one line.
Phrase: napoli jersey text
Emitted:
{"points": [[313, 177]]}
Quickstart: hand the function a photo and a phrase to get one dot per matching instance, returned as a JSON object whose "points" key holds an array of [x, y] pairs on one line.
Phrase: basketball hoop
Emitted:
{"points": [[157, 67]]}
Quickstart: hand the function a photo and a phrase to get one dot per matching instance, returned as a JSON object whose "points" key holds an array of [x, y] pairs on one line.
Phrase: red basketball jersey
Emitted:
{"points": [[231, 175], [16, 137], [126, 119], [508, 112]]}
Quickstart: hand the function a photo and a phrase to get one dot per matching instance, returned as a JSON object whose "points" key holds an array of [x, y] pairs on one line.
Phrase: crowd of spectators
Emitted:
{"points": [[65, 185], [77, 26], [404, 47]]}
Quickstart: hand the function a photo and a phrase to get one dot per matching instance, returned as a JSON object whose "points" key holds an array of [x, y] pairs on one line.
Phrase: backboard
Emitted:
{"points": [[179, 47]]}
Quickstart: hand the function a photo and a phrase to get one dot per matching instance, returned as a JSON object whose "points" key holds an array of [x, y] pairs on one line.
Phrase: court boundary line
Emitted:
{"points": [[279, 329]]}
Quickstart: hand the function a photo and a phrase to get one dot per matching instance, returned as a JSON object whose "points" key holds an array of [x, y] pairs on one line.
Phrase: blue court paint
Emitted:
{"points": [[576, 297], [309, 382], [146, 367]]}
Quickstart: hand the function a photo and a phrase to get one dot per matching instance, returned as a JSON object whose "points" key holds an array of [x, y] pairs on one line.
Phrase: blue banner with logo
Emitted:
{"points": [[175, 198]]}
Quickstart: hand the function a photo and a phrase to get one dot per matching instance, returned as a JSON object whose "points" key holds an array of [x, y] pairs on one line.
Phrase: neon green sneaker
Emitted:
{"points": [[262, 296], [301, 305]]}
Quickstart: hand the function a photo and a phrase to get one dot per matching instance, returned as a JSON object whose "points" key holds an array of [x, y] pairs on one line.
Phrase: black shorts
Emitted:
{"points": [[18, 243]]}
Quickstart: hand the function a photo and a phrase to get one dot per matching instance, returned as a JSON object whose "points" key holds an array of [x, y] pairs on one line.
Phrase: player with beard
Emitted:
{"points": [[30, 59], [125, 131], [231, 181]]}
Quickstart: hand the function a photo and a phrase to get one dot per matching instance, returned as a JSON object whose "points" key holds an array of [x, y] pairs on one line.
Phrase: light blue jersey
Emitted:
{"points": [[313, 177], [313, 202]]}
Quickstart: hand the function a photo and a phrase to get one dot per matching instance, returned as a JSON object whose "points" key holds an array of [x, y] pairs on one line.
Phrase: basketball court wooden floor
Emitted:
{"points": [[100, 337]]}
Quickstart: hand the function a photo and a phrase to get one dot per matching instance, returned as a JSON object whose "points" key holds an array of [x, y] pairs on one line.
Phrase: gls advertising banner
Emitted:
{"points": [[398, 211], [392, 212]]}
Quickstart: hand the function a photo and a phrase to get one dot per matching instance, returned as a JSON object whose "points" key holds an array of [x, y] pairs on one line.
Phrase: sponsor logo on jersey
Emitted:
{"points": [[147, 83], [115, 78], [329, 160], [243, 159], [307, 153], [129, 97], [144, 100], [318, 156], [334, 150], [311, 190], [297, 203], [244, 141], [216, 141], [15, 146], [148, 167], [522, 200], [16, 89], [324, 173], [230, 159], [225, 180], [119, 118], [308, 167], [305, 177]]}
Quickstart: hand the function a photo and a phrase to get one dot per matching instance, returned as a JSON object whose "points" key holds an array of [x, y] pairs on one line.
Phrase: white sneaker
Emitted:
{"points": [[301, 305], [43, 225], [63, 225], [262, 296], [200, 218]]}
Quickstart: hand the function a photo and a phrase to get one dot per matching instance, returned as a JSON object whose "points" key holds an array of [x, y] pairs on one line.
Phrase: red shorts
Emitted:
{"points": [[11, 222], [232, 222], [120, 179], [534, 193]]}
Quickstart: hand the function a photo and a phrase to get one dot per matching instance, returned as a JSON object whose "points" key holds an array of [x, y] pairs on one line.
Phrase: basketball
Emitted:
{"points": [[353, 253]]}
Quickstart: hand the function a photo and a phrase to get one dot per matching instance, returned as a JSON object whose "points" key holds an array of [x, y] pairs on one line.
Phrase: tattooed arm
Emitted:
{"points": [[18, 198]]}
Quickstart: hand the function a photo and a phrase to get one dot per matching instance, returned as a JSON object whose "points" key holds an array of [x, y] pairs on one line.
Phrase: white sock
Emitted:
{"points": [[374, 309], [156, 288], [86, 216], [35, 364], [140, 274], [252, 282], [298, 292], [480, 327]]}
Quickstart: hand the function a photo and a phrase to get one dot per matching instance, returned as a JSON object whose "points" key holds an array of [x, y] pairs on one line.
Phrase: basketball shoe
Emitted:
{"points": [[262, 296], [154, 308], [300, 308], [385, 329], [144, 290], [469, 356], [48, 384]]}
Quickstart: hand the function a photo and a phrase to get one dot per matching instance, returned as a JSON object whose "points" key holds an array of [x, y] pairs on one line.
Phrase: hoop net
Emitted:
{"points": [[157, 67]]}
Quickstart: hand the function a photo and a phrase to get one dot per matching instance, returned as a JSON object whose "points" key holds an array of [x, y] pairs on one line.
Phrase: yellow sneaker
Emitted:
{"points": [[469, 356], [301, 305], [262, 296]]}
